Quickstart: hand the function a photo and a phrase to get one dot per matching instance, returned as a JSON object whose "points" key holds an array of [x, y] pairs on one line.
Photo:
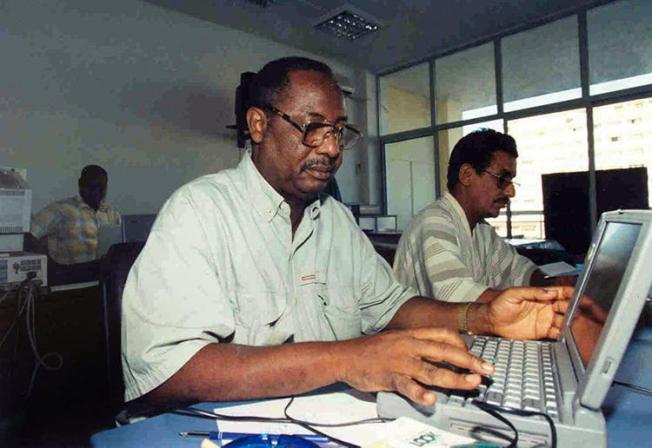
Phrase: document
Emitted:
{"points": [[558, 269]]}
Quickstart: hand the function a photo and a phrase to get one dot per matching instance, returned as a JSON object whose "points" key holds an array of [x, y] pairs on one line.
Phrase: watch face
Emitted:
{"points": [[271, 441]]}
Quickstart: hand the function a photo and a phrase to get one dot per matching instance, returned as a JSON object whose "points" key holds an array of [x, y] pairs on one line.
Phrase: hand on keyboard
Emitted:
{"points": [[528, 313], [405, 361]]}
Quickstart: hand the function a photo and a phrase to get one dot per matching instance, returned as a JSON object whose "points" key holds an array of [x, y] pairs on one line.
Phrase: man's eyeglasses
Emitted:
{"points": [[316, 133], [502, 181]]}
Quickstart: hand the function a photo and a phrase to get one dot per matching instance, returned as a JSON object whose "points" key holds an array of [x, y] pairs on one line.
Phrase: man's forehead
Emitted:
{"points": [[313, 94], [503, 162]]}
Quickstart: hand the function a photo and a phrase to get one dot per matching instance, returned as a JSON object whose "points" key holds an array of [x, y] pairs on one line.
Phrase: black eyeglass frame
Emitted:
{"points": [[304, 129], [502, 182]]}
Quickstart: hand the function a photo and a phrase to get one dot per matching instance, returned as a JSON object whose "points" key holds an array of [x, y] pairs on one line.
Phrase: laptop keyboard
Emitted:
{"points": [[523, 378]]}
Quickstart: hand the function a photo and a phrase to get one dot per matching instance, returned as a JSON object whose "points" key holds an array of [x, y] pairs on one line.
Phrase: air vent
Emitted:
{"points": [[348, 23]]}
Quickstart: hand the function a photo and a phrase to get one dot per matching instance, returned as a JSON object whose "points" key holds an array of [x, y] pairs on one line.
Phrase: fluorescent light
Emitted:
{"points": [[348, 23]]}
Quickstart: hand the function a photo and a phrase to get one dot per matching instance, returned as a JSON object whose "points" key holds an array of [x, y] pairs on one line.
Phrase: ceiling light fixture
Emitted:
{"points": [[348, 22]]}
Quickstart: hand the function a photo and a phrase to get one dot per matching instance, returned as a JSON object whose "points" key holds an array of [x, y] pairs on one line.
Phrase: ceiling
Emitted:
{"points": [[411, 30]]}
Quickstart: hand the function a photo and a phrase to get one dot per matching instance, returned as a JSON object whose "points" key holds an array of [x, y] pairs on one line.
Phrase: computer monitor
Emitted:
{"points": [[137, 227], [566, 202], [15, 202], [107, 236]]}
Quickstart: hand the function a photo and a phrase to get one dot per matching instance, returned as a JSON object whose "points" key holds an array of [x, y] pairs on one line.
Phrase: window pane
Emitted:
{"points": [[541, 66], [620, 45], [410, 168], [405, 100], [465, 85], [449, 137], [623, 139], [552, 143]]}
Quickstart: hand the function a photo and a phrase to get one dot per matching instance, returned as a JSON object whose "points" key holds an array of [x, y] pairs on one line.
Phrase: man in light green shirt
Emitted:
{"points": [[253, 284]]}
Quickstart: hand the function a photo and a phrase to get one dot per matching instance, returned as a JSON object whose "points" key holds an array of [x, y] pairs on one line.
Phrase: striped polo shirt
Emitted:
{"points": [[441, 257]]}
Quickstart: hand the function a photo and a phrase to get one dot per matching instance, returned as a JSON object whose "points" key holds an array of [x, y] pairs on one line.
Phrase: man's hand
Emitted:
{"points": [[398, 361], [529, 313]]}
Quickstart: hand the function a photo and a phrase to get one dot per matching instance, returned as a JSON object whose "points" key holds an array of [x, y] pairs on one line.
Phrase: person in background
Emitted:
{"points": [[67, 229], [448, 250], [255, 284]]}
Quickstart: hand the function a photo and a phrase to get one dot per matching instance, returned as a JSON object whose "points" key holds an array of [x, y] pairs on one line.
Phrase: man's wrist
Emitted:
{"points": [[477, 319]]}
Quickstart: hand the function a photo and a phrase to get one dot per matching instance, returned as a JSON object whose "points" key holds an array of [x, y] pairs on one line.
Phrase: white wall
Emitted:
{"points": [[143, 91]]}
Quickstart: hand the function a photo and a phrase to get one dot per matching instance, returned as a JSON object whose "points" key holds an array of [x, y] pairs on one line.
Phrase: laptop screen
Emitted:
{"points": [[606, 273]]}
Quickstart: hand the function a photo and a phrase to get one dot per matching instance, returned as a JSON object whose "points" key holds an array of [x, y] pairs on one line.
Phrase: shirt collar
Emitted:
{"points": [[102, 208], [265, 199], [457, 209]]}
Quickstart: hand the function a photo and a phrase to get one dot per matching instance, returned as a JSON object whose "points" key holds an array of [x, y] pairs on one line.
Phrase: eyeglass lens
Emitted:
{"points": [[316, 133]]}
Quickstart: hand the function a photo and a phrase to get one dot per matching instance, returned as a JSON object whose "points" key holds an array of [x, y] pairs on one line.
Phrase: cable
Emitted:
{"points": [[493, 411], [31, 334], [26, 304], [194, 411], [197, 412], [309, 427], [636, 388]]}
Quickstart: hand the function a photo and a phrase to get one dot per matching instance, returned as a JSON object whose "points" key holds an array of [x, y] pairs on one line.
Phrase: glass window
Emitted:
{"points": [[410, 171], [541, 66], [405, 100], [623, 139], [552, 143], [620, 46], [465, 85]]}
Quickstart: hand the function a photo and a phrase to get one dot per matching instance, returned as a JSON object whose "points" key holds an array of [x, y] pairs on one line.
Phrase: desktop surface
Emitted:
{"points": [[627, 413]]}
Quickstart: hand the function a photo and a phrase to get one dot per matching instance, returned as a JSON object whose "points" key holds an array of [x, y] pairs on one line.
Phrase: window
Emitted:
{"points": [[541, 66], [544, 105], [623, 137], [552, 143], [620, 46], [465, 85], [405, 100], [410, 168]]}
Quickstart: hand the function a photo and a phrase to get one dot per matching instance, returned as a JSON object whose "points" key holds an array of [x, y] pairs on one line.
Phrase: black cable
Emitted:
{"points": [[636, 388], [197, 412], [309, 427], [494, 412]]}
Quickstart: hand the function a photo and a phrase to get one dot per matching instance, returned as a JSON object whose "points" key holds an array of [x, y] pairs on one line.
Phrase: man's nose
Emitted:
{"points": [[510, 190], [331, 146]]}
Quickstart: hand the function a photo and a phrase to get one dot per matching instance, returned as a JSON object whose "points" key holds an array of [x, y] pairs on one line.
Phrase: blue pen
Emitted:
{"points": [[216, 435]]}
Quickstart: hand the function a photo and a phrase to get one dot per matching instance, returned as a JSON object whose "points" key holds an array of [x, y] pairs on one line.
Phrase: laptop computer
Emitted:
{"points": [[107, 236], [566, 379]]}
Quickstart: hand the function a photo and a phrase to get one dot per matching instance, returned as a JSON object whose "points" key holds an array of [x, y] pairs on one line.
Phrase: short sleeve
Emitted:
{"points": [[45, 220], [174, 302], [381, 294]]}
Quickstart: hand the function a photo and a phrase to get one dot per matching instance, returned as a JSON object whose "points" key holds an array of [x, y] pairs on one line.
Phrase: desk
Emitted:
{"points": [[628, 414]]}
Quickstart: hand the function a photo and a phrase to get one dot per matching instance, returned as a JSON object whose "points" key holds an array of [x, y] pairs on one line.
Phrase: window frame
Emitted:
{"points": [[585, 101]]}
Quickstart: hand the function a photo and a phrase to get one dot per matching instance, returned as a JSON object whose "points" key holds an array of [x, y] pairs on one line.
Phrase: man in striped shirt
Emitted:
{"points": [[449, 251]]}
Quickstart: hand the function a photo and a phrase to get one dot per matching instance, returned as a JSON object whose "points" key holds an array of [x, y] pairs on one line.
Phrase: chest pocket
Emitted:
{"points": [[340, 309], [258, 318]]}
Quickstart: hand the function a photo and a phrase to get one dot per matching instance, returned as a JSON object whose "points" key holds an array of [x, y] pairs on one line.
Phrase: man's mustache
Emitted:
{"points": [[322, 162]]}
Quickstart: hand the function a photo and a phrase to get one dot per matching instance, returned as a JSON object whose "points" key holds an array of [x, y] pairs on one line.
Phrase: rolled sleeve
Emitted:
{"points": [[382, 294], [173, 303]]}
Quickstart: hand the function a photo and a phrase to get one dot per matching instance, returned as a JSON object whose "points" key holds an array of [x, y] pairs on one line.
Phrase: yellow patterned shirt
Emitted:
{"points": [[72, 227]]}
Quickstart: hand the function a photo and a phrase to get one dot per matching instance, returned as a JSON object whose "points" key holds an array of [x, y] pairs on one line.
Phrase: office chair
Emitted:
{"points": [[114, 268]]}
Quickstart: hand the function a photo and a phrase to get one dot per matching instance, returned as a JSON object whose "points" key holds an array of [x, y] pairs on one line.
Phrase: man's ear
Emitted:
{"points": [[257, 123], [466, 174]]}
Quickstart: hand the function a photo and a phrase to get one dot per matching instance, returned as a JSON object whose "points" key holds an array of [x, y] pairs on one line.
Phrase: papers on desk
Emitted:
{"points": [[558, 269], [338, 407]]}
